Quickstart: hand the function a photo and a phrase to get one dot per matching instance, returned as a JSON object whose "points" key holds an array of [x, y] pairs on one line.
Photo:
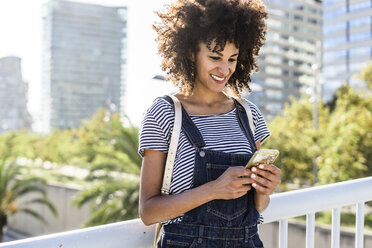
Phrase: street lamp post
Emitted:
{"points": [[315, 120], [316, 93]]}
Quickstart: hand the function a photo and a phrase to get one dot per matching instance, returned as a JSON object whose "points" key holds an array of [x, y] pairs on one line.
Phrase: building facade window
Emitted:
{"points": [[333, 28], [359, 22], [329, 15], [333, 42], [360, 51], [360, 6]]}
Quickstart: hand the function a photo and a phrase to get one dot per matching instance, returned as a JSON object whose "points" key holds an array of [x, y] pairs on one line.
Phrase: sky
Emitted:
{"points": [[21, 36]]}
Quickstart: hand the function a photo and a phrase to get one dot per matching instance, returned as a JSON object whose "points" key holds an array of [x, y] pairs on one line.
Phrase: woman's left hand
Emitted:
{"points": [[266, 177]]}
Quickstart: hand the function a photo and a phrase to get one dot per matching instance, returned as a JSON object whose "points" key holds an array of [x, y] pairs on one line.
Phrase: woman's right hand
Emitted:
{"points": [[233, 183]]}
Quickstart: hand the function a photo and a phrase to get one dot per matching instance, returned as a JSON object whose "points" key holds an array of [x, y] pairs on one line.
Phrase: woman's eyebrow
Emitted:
{"points": [[235, 54]]}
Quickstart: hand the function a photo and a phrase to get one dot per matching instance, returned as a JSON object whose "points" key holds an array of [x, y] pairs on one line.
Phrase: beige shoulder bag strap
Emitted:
{"points": [[171, 156], [248, 110], [168, 171]]}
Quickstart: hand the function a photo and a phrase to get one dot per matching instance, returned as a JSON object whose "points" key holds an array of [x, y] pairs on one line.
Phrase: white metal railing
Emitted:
{"points": [[311, 200], [282, 206]]}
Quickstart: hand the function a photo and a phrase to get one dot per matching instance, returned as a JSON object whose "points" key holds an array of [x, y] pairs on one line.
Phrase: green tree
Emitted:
{"points": [[115, 174], [16, 183], [347, 147], [293, 133], [90, 136], [19, 143], [342, 144], [366, 75], [60, 146]]}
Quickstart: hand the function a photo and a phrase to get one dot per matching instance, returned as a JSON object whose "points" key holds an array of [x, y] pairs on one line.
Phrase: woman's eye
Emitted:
{"points": [[214, 58], [232, 60]]}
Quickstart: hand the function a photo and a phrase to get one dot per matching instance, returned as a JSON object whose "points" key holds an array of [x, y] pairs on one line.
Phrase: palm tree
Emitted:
{"points": [[115, 189], [16, 183]]}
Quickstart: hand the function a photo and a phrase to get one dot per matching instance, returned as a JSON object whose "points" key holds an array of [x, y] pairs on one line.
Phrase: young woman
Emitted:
{"points": [[208, 48]]}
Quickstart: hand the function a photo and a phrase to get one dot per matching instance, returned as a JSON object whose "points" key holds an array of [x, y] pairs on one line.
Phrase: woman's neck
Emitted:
{"points": [[204, 96]]}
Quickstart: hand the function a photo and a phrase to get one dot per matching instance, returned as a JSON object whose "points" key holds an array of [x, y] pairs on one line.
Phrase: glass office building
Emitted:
{"points": [[13, 96], [84, 61], [291, 56], [347, 42]]}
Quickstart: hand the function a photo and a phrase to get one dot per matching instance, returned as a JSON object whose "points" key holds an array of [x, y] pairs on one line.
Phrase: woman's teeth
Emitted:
{"points": [[217, 78]]}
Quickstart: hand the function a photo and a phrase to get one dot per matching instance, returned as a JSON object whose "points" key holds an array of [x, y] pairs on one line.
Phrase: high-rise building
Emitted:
{"points": [[347, 42], [290, 60], [84, 61], [13, 96]]}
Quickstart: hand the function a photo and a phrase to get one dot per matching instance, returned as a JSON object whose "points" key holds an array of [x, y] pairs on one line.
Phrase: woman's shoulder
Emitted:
{"points": [[255, 110], [161, 111], [160, 106]]}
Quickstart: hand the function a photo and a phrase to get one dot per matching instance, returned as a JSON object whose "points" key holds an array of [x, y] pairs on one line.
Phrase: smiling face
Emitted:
{"points": [[214, 68]]}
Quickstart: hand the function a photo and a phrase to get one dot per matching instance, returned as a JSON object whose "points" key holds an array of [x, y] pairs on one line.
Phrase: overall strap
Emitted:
{"points": [[191, 131], [172, 151], [245, 118]]}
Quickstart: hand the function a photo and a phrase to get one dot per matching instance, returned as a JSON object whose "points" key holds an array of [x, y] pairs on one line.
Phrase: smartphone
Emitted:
{"points": [[263, 156]]}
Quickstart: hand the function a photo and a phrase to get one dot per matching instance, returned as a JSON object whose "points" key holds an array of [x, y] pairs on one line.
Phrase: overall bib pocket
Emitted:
{"points": [[225, 209]]}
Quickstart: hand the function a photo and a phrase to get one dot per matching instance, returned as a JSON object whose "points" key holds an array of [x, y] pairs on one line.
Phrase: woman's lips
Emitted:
{"points": [[218, 79]]}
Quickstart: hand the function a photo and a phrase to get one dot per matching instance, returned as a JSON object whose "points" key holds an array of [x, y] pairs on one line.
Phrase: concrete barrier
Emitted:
{"points": [[70, 217]]}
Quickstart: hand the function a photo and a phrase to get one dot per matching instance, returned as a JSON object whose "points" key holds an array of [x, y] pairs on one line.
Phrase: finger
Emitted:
{"points": [[244, 180], [245, 188], [239, 171], [261, 189], [266, 174], [270, 167], [263, 181]]}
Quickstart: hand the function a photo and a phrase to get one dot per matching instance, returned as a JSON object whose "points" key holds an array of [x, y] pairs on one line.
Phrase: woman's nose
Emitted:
{"points": [[224, 68]]}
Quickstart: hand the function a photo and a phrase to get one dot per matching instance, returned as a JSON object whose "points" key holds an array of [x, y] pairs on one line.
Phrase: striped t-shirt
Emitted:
{"points": [[221, 132]]}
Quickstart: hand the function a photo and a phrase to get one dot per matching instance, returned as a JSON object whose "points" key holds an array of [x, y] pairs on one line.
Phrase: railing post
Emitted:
{"points": [[283, 233], [359, 225], [335, 228], [310, 230]]}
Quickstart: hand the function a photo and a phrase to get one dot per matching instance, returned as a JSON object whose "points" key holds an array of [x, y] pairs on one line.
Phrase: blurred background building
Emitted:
{"points": [[291, 56], [347, 37], [84, 61], [13, 96]]}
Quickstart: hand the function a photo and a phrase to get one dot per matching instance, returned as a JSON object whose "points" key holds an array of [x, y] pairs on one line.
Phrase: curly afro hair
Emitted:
{"points": [[185, 24]]}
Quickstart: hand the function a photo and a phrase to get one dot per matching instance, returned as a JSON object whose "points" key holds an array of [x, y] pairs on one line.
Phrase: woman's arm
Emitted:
{"points": [[155, 208]]}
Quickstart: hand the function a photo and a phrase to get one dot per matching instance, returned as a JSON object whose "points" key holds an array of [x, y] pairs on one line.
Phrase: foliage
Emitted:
{"points": [[18, 144], [347, 147], [115, 175], [19, 191], [366, 75], [112, 201], [342, 144], [105, 147], [90, 135], [293, 133]]}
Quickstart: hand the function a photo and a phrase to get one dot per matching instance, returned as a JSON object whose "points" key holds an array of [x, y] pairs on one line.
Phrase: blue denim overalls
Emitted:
{"points": [[218, 223]]}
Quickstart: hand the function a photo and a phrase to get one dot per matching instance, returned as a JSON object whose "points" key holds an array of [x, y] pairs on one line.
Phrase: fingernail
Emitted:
{"points": [[261, 166], [254, 184], [253, 176], [254, 169]]}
